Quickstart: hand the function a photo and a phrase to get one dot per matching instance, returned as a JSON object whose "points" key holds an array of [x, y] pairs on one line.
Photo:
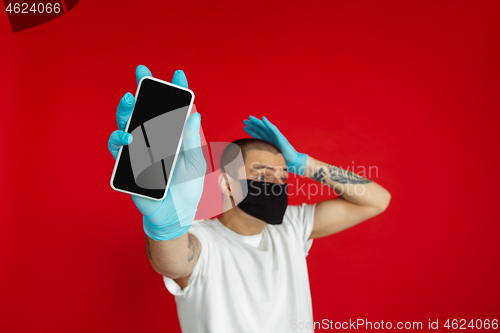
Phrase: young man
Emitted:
{"points": [[246, 270]]}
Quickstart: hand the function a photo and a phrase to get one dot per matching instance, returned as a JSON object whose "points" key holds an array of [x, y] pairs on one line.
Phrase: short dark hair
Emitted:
{"points": [[244, 145]]}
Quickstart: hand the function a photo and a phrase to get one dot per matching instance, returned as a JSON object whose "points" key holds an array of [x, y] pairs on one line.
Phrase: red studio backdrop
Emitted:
{"points": [[408, 87]]}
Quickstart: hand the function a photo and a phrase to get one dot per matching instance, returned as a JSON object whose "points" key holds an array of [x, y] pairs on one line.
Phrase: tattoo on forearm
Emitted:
{"points": [[320, 176], [345, 176], [191, 246]]}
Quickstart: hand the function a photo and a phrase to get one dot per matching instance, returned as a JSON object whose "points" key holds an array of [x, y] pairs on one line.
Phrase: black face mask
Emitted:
{"points": [[265, 201]]}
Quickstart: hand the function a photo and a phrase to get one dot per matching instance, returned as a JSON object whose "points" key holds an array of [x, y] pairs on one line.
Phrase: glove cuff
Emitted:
{"points": [[168, 223], [299, 165], [170, 231]]}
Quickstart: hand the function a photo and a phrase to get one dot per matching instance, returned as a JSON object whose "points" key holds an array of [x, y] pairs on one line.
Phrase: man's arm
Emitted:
{"points": [[334, 215], [174, 258], [171, 250], [360, 198]]}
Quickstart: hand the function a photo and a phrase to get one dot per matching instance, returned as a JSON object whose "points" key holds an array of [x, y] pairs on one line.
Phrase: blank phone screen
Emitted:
{"points": [[144, 166]]}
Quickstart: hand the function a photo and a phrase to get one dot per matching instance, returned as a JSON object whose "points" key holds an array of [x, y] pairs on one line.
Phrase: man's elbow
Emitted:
{"points": [[168, 273], [383, 202]]}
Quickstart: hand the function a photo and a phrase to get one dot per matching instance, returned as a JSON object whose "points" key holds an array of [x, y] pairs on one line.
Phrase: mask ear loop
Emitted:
{"points": [[227, 184]]}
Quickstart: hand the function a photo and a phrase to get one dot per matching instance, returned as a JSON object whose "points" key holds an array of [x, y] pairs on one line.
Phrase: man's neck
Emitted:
{"points": [[241, 223]]}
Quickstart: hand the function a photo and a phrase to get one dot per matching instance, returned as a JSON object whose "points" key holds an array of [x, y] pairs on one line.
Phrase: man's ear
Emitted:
{"points": [[224, 185]]}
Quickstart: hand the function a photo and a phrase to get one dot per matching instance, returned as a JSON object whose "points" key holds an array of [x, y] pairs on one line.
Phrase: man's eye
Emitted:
{"points": [[261, 177]]}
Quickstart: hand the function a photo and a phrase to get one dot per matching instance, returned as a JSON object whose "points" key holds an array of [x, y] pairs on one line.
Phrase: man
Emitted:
{"points": [[245, 271]]}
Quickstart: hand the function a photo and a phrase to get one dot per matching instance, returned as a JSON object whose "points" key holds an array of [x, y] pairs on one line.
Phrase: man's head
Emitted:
{"points": [[253, 177]]}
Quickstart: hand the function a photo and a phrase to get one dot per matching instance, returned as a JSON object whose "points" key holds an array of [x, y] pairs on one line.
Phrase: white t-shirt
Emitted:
{"points": [[254, 284]]}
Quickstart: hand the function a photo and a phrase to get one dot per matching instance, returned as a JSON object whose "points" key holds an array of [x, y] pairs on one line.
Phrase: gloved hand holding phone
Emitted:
{"points": [[172, 217]]}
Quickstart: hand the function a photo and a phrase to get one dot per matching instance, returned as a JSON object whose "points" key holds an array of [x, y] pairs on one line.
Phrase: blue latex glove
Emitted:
{"points": [[265, 130], [172, 217]]}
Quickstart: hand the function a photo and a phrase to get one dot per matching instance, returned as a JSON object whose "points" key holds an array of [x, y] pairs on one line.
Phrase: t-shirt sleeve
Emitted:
{"points": [[198, 274], [300, 219]]}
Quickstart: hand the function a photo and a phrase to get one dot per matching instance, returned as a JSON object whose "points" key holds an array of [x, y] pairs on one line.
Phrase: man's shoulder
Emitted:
{"points": [[204, 226], [298, 217], [298, 211], [207, 232]]}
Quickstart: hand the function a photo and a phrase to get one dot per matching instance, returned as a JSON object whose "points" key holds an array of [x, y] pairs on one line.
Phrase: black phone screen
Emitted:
{"points": [[144, 166]]}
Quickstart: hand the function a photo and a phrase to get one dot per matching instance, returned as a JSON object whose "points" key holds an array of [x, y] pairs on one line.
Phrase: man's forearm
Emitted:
{"points": [[350, 186]]}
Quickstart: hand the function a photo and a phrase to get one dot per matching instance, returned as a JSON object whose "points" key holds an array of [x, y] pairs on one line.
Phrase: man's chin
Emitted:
{"points": [[249, 217]]}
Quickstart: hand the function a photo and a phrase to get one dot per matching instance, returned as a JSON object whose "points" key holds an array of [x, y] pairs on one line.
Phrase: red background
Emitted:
{"points": [[408, 86]]}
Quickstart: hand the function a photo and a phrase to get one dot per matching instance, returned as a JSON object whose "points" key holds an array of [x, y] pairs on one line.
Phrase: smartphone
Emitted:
{"points": [[145, 166]]}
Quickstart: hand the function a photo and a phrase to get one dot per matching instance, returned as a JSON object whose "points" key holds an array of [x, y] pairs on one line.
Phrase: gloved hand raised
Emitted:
{"points": [[265, 130], [172, 217]]}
